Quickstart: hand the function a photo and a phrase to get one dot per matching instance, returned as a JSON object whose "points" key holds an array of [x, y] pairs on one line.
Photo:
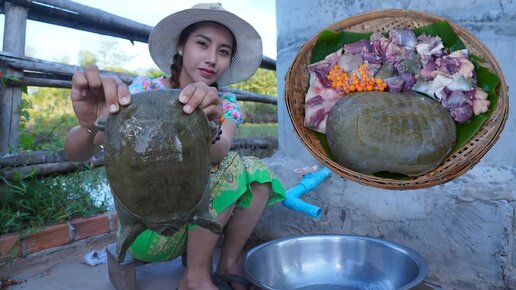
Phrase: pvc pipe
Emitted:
{"points": [[309, 182]]}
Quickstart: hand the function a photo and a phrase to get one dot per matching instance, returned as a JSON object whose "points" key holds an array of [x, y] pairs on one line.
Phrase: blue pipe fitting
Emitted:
{"points": [[309, 182]]}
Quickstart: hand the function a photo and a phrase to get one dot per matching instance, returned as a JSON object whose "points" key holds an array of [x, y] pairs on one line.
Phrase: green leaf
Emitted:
{"points": [[26, 141], [442, 29], [12, 78], [488, 81], [329, 42], [324, 144], [25, 115]]}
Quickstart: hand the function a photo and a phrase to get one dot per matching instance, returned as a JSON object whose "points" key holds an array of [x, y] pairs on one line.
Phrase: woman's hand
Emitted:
{"points": [[200, 95], [94, 95]]}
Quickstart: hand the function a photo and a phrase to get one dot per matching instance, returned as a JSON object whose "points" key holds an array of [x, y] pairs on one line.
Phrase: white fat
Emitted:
{"points": [[179, 148]]}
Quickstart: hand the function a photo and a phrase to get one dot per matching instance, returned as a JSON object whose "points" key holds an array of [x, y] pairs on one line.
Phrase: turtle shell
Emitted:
{"points": [[405, 133], [157, 165]]}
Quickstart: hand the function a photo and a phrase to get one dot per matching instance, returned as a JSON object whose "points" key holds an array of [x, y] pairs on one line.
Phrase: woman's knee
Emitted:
{"points": [[261, 189]]}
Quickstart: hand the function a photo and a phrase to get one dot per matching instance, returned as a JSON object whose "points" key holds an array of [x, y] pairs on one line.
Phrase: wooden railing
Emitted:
{"points": [[18, 70], [41, 73]]}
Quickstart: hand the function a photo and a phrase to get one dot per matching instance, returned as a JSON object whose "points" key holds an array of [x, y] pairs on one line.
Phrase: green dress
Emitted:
{"points": [[229, 183]]}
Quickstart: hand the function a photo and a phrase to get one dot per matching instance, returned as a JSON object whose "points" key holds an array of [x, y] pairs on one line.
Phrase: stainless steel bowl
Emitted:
{"points": [[324, 262]]}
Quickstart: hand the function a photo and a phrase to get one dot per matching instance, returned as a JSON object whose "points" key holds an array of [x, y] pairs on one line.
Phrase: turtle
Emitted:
{"points": [[157, 166], [405, 133]]}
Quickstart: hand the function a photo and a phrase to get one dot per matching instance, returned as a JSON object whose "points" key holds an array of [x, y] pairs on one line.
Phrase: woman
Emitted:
{"points": [[200, 48]]}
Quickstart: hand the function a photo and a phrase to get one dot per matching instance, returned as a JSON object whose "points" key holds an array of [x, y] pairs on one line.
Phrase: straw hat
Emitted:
{"points": [[165, 35]]}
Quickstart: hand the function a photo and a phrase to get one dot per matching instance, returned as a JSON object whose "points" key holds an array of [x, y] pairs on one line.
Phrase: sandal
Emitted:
{"points": [[220, 282], [224, 281]]}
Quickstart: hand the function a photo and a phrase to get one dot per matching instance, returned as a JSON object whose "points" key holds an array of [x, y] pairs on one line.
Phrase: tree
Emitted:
{"points": [[112, 56], [87, 57], [50, 116], [262, 82], [109, 56]]}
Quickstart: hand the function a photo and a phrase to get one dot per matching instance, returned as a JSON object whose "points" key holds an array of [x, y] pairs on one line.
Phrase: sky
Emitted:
{"points": [[55, 43]]}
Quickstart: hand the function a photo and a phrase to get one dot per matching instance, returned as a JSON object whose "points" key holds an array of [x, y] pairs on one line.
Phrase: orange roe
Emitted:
{"points": [[344, 84]]}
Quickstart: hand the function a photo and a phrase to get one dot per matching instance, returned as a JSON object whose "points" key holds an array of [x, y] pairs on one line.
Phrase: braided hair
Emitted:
{"points": [[177, 60], [175, 69]]}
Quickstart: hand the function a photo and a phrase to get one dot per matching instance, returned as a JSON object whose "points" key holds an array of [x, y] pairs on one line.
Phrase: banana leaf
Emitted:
{"points": [[329, 41]]}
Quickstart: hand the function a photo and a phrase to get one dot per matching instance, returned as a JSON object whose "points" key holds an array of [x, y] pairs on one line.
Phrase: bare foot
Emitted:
{"points": [[235, 269]]}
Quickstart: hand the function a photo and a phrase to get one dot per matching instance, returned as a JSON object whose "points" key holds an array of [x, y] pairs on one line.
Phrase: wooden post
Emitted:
{"points": [[10, 97]]}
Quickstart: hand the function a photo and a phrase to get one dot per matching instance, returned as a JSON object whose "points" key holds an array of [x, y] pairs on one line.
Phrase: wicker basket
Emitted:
{"points": [[297, 81]]}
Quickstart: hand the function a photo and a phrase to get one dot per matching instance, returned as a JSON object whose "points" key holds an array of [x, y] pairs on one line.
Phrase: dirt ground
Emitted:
{"points": [[65, 268]]}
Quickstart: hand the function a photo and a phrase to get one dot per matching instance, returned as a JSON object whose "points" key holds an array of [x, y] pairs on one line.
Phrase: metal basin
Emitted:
{"points": [[336, 262]]}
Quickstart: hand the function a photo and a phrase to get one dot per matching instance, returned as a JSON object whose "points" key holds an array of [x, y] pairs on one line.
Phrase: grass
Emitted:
{"points": [[35, 202], [259, 130]]}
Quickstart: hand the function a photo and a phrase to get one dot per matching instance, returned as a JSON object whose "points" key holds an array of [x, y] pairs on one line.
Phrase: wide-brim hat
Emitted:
{"points": [[165, 35]]}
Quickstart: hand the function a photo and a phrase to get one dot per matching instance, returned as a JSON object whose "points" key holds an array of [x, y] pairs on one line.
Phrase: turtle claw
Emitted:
{"points": [[129, 230]]}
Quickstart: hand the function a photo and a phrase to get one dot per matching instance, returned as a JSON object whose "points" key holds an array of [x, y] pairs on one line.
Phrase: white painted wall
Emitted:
{"points": [[465, 228]]}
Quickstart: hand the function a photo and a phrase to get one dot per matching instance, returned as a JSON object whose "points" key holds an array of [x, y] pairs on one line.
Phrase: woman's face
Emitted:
{"points": [[206, 55]]}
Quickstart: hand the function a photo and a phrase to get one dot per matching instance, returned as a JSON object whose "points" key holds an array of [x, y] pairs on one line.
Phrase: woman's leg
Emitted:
{"points": [[200, 245], [239, 228]]}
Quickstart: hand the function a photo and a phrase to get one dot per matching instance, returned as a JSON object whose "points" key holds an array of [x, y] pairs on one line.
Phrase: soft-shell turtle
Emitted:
{"points": [[158, 168], [405, 133]]}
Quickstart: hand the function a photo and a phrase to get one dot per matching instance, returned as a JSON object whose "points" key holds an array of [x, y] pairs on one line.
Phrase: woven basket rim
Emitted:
{"points": [[456, 164]]}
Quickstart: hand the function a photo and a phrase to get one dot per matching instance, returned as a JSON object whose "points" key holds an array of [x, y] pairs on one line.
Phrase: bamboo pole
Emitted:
{"points": [[45, 169], [31, 157], [42, 163], [268, 63], [58, 75], [10, 98], [252, 97], [40, 82], [254, 143], [49, 69], [37, 82]]}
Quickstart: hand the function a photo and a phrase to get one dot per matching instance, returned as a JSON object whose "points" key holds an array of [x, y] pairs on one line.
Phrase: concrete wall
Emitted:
{"points": [[465, 228]]}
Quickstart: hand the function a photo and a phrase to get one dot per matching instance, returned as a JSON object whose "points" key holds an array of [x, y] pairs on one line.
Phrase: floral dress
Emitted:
{"points": [[230, 182]]}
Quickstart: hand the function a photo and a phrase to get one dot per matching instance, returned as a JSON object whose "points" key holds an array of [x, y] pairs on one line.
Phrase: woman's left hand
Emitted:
{"points": [[200, 95]]}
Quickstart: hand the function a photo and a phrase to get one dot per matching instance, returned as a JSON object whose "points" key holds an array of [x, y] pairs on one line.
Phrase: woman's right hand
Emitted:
{"points": [[94, 95]]}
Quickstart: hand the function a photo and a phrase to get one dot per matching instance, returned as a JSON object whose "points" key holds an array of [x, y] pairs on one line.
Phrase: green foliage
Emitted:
{"points": [[111, 55], [5, 78], [108, 56], [47, 117], [86, 58], [26, 140], [153, 73], [117, 69], [262, 82], [29, 202]]}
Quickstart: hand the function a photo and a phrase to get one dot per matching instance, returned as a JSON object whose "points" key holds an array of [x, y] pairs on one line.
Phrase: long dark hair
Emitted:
{"points": [[177, 61]]}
